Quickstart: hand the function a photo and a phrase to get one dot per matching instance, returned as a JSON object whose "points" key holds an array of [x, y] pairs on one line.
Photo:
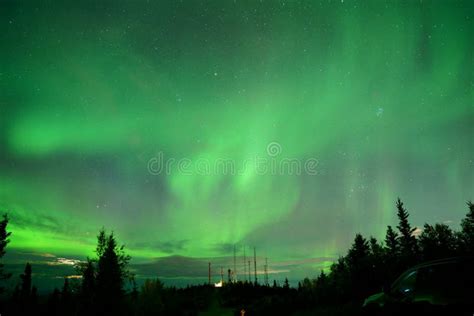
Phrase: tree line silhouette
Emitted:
{"points": [[108, 287], [370, 264]]}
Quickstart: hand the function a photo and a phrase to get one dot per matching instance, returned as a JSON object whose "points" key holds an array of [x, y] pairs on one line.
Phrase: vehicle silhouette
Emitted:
{"points": [[440, 287]]}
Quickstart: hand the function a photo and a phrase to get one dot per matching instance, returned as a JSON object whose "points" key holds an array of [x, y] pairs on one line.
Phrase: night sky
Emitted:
{"points": [[377, 95]]}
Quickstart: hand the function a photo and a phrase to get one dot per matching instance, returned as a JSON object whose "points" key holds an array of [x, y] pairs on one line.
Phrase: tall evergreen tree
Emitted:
{"points": [[322, 288], [26, 295], [112, 271], [340, 279], [88, 277], [4, 240], [87, 288], [66, 291], [467, 231], [391, 257], [376, 249], [359, 251], [391, 243], [437, 241], [407, 241], [101, 243], [134, 293], [25, 288], [322, 280], [377, 274], [358, 261], [152, 300]]}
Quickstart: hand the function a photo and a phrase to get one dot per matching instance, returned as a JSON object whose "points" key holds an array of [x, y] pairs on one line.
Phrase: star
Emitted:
{"points": [[379, 112]]}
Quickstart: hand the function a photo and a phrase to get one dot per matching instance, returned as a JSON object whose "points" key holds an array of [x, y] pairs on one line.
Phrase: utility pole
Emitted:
{"points": [[235, 268], [250, 280], [255, 264], [266, 271], [209, 274], [245, 264]]}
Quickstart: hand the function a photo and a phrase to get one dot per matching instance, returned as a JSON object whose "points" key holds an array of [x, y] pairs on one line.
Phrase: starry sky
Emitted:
{"points": [[366, 100]]}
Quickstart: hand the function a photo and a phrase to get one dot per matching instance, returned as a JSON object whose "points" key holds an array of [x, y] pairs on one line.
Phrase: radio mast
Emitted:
{"points": [[235, 268], [255, 264]]}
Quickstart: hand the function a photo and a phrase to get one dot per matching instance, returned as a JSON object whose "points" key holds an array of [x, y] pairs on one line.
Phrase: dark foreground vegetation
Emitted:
{"points": [[108, 288]]}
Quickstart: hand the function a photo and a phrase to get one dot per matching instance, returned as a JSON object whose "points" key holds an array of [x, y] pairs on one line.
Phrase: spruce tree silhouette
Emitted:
{"points": [[66, 297], [407, 241], [322, 279], [359, 267], [321, 284], [87, 288], [66, 292], [340, 280], [112, 270], [466, 235], [135, 292], [25, 288], [358, 252], [391, 243], [151, 300], [88, 278], [377, 264], [391, 256], [437, 242], [4, 240], [23, 297]]}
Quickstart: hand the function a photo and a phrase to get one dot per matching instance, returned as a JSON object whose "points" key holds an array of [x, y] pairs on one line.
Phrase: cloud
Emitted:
{"points": [[169, 247], [180, 266], [417, 232], [65, 261], [49, 270], [223, 248]]}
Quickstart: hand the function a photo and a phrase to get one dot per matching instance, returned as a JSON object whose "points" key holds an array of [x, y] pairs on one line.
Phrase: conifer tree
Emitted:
{"points": [[112, 271], [466, 235], [437, 241], [391, 243], [25, 288], [407, 241], [4, 240]]}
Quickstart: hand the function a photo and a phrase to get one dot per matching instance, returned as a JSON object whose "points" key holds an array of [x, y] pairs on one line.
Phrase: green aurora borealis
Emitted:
{"points": [[379, 92]]}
